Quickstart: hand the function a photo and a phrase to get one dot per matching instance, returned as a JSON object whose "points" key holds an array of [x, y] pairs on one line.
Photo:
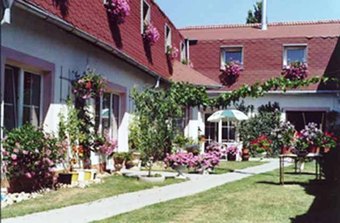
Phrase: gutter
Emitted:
{"points": [[84, 35]]}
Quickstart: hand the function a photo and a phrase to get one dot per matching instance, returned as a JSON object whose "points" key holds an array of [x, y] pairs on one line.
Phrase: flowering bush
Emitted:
{"points": [[261, 144], [216, 148], [118, 9], [88, 86], [28, 153], [151, 34], [283, 136], [295, 71], [172, 52], [308, 137]]}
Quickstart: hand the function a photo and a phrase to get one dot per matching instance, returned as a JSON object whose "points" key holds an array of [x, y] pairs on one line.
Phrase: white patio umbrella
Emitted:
{"points": [[227, 115]]}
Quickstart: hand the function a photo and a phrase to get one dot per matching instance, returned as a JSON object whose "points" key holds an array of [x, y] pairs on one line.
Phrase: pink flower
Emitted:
{"points": [[48, 152], [151, 34], [16, 150], [14, 156], [25, 152], [28, 175]]}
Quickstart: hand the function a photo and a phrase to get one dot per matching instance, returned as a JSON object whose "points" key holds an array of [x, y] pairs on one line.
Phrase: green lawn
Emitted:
{"points": [[112, 185], [255, 199]]}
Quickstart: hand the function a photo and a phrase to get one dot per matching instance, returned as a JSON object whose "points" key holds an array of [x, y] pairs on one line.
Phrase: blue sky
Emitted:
{"points": [[204, 12]]}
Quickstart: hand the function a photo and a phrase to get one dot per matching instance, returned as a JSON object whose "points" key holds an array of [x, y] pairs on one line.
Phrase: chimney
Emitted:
{"points": [[264, 15]]}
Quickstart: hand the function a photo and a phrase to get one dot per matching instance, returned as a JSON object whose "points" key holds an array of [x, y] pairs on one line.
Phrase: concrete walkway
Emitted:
{"points": [[119, 204]]}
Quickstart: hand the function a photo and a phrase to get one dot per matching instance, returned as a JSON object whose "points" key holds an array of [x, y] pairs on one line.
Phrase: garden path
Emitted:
{"points": [[123, 203]]}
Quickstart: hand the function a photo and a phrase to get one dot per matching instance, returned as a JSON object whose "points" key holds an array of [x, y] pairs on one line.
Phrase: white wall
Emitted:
{"points": [[33, 36], [287, 102]]}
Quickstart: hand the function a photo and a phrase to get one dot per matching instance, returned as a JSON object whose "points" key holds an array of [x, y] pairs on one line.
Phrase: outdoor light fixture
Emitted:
{"points": [[5, 11]]}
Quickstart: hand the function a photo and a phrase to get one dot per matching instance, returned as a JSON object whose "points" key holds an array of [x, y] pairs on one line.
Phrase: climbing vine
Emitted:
{"points": [[157, 110]]}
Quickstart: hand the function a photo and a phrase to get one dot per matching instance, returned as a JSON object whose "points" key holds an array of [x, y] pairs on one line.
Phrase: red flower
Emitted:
{"points": [[88, 85]]}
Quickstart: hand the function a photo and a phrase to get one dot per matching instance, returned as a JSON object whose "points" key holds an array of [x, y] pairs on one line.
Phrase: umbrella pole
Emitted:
{"points": [[220, 131], [228, 130]]}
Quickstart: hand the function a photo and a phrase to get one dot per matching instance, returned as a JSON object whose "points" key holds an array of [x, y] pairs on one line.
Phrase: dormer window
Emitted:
{"points": [[231, 54], [167, 37], [145, 15], [294, 53]]}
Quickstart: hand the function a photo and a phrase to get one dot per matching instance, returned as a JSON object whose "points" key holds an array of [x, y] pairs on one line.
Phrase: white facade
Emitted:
{"points": [[30, 38]]}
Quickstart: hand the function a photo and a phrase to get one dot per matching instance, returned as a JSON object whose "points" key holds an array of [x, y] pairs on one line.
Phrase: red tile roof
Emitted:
{"points": [[330, 28], [90, 17], [183, 73]]}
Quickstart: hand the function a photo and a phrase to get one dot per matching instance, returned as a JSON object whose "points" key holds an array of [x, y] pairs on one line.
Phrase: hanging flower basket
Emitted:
{"points": [[172, 52], [118, 9], [151, 34], [90, 85], [295, 71], [231, 73]]}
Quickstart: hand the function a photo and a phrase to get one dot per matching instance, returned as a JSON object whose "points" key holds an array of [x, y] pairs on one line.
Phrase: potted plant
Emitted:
{"points": [[231, 72], [172, 52], [178, 161], [89, 85], [231, 153], [295, 71], [310, 138], [151, 34], [117, 10], [283, 137], [245, 154], [119, 159], [328, 142]]}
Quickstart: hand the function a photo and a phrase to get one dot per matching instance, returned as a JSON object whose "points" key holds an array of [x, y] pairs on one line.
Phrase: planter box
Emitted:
{"points": [[147, 179], [68, 178]]}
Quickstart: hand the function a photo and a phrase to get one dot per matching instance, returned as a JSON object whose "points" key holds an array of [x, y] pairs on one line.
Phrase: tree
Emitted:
{"points": [[256, 16]]}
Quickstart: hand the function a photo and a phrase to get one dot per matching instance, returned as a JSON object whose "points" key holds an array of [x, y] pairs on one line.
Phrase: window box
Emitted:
{"points": [[231, 54], [117, 9]]}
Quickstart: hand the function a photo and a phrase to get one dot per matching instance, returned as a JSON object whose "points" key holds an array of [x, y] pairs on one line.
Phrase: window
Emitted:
{"points": [[107, 114], [22, 97], [167, 37], [145, 15], [182, 122], [228, 131], [294, 54], [184, 47], [230, 54]]}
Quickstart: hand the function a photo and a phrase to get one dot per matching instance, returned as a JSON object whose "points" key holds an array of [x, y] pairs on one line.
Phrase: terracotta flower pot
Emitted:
{"points": [[245, 154], [285, 150], [231, 157], [313, 149]]}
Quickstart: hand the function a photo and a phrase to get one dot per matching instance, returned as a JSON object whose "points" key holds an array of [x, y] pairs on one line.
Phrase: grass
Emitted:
{"points": [[223, 167], [112, 185], [252, 200]]}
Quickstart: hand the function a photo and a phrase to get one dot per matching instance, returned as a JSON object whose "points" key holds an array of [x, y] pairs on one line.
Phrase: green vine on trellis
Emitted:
{"points": [[190, 95]]}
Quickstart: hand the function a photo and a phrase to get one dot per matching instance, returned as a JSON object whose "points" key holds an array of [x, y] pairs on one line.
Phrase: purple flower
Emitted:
{"points": [[14, 156]]}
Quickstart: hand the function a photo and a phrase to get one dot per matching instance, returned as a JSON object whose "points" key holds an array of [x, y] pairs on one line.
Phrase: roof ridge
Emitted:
{"points": [[331, 21]]}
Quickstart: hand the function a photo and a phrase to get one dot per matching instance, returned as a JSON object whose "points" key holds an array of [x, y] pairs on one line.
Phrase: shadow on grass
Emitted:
{"points": [[326, 204]]}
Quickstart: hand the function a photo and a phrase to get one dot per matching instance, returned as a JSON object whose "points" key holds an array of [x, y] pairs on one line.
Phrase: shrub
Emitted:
{"points": [[30, 154]]}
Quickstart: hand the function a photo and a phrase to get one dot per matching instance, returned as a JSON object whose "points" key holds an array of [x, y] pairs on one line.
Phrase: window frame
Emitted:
{"points": [[100, 125], [184, 53], [148, 16], [20, 101], [224, 49], [167, 37], [286, 47]]}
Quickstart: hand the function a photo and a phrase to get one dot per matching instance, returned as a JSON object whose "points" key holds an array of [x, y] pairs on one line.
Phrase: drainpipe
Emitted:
{"points": [[264, 15]]}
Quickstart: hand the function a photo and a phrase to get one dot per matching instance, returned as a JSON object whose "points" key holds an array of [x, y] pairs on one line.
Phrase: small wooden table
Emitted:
{"points": [[316, 156]]}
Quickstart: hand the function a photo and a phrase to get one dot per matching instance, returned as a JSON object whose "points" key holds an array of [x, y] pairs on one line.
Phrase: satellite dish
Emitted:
{"points": [[5, 10]]}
